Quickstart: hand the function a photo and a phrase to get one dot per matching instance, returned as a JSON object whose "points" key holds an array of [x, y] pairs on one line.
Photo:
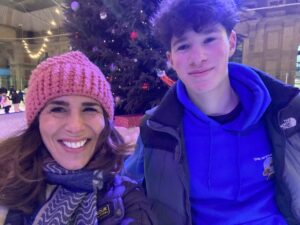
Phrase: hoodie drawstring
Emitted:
{"points": [[210, 157], [239, 164]]}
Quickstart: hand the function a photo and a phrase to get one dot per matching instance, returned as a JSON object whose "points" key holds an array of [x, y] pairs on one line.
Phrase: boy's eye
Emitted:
{"points": [[208, 40], [183, 47]]}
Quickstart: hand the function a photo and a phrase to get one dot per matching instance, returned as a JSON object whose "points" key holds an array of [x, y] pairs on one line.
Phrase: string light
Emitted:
{"points": [[57, 11], [42, 48], [37, 54], [53, 23]]}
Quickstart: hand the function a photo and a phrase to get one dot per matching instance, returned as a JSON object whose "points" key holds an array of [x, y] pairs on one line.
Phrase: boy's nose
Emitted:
{"points": [[198, 56]]}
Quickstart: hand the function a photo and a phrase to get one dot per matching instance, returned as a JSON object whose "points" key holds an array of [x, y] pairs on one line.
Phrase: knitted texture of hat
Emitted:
{"points": [[68, 74]]}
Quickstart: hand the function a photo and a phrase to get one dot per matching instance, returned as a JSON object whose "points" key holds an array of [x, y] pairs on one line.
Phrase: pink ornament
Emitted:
{"points": [[75, 6]]}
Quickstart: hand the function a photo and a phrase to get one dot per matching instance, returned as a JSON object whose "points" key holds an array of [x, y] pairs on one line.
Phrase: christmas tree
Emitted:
{"points": [[116, 36]]}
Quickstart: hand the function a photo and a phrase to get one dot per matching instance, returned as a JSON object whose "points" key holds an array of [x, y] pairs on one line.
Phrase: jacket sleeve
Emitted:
{"points": [[137, 206], [134, 164]]}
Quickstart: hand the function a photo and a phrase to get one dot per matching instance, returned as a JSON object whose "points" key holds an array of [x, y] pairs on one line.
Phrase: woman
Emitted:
{"points": [[63, 169]]}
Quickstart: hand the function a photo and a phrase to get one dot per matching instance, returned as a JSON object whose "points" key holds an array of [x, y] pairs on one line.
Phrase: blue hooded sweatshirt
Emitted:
{"points": [[230, 164]]}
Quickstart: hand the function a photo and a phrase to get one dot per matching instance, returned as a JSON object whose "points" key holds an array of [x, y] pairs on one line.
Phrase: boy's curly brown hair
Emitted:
{"points": [[175, 17]]}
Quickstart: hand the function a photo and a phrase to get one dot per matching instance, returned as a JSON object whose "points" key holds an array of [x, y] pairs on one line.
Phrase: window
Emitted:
{"points": [[275, 2], [292, 1], [297, 78], [298, 60], [251, 4]]}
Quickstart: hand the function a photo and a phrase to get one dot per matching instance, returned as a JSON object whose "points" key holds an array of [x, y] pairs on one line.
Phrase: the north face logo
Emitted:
{"points": [[288, 123]]}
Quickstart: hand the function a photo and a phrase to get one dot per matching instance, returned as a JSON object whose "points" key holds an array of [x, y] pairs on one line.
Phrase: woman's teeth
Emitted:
{"points": [[77, 144]]}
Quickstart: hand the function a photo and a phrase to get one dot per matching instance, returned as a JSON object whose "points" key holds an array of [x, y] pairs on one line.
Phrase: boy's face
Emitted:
{"points": [[200, 59]]}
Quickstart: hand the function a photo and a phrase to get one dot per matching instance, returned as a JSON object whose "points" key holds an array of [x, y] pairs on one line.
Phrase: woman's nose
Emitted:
{"points": [[75, 122]]}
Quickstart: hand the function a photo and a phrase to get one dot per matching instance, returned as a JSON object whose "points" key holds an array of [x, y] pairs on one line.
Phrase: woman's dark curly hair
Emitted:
{"points": [[175, 17]]}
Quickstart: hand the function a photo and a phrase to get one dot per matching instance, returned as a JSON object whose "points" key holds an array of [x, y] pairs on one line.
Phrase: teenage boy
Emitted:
{"points": [[223, 146]]}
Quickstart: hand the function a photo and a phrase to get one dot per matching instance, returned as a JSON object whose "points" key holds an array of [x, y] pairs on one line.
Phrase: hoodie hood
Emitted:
{"points": [[252, 92]]}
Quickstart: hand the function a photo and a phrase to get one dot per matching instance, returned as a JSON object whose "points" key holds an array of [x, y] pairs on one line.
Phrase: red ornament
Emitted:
{"points": [[145, 86], [133, 35], [109, 78]]}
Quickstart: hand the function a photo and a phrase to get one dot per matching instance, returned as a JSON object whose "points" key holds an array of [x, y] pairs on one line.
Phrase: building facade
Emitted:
{"points": [[270, 31], [15, 26], [271, 37]]}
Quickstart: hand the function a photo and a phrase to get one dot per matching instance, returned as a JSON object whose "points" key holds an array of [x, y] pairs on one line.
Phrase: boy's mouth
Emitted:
{"points": [[199, 72]]}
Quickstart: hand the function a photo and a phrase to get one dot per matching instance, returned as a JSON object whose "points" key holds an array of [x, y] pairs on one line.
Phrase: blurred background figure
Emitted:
{"points": [[15, 98], [5, 103], [21, 95], [4, 100]]}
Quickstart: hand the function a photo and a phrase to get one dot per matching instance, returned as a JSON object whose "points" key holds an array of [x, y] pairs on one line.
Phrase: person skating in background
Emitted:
{"points": [[24, 93], [2, 91], [223, 146], [15, 99], [21, 95], [64, 168], [5, 102]]}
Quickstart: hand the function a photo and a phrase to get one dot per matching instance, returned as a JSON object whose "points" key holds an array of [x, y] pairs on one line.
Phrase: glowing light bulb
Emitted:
{"points": [[53, 23]]}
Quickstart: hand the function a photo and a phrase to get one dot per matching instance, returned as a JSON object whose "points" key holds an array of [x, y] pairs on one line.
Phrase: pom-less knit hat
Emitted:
{"points": [[68, 74]]}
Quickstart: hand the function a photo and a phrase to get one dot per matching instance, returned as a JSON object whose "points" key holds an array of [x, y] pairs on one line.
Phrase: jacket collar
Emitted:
{"points": [[280, 92], [170, 111]]}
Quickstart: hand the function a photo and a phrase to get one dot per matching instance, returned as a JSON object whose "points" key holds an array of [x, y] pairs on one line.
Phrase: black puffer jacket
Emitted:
{"points": [[163, 161]]}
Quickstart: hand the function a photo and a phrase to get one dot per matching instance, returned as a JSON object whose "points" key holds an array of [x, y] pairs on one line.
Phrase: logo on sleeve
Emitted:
{"points": [[288, 123], [103, 211]]}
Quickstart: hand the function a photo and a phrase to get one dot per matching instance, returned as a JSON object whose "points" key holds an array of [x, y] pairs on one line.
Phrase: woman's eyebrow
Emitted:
{"points": [[54, 102], [90, 104]]}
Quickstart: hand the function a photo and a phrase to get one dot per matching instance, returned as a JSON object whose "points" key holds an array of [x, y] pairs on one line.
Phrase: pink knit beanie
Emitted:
{"points": [[68, 74]]}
